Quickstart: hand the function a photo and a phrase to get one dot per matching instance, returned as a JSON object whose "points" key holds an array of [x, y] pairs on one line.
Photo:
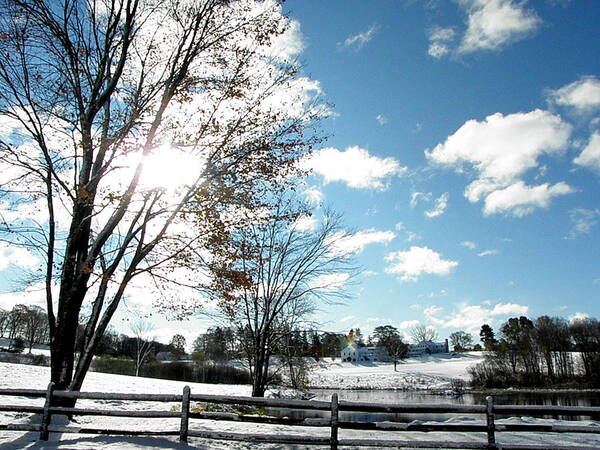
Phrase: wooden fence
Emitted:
{"points": [[487, 431]]}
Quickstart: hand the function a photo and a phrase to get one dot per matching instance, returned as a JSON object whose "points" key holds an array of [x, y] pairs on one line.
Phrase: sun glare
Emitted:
{"points": [[170, 168]]}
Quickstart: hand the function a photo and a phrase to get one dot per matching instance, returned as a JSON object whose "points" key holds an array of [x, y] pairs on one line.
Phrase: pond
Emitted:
{"points": [[508, 397]]}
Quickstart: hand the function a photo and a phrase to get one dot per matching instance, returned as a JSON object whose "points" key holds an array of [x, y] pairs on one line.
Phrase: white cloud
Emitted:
{"points": [[505, 309], [488, 252], [579, 316], [492, 24], [375, 319], [359, 40], [290, 43], [441, 203], [347, 318], [501, 149], [369, 273], [432, 310], [408, 324], [439, 39], [381, 119], [355, 167], [468, 244], [415, 197], [583, 95], [418, 261], [355, 243], [31, 295], [590, 155], [16, 256], [314, 195], [520, 199], [411, 236], [305, 223], [583, 221], [330, 281], [471, 317]]}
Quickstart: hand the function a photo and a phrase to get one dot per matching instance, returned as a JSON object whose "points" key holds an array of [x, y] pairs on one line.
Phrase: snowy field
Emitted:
{"points": [[422, 372], [24, 376]]}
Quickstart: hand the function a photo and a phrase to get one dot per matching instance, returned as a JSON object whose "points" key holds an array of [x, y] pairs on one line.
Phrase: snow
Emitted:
{"points": [[421, 372], [37, 349], [434, 371]]}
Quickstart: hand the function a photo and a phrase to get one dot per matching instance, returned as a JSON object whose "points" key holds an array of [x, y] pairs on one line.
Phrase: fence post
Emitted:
{"points": [[491, 427], [47, 415], [334, 422], [185, 414]]}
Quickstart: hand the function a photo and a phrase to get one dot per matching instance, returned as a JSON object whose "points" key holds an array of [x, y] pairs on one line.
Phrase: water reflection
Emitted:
{"points": [[397, 396]]}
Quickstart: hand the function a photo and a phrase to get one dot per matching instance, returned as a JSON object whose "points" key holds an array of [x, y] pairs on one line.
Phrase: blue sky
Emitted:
{"points": [[465, 143], [463, 149]]}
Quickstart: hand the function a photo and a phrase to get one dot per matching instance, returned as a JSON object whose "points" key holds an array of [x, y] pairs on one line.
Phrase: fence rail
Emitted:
{"points": [[487, 430]]}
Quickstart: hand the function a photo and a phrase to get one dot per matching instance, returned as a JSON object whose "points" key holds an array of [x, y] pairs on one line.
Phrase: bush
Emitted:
{"points": [[196, 372], [15, 358], [109, 364], [488, 374], [18, 345]]}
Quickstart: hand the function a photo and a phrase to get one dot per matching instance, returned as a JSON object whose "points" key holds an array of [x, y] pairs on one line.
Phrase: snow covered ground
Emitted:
{"points": [[422, 372], [24, 376]]}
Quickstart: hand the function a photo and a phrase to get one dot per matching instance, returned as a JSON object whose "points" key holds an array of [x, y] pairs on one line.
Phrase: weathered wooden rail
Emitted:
{"points": [[487, 431]]}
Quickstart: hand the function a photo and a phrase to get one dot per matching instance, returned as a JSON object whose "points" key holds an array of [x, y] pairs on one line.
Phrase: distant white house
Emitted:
{"points": [[427, 347], [354, 353]]}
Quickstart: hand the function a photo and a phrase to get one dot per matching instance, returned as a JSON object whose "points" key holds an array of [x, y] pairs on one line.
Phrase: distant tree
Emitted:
{"points": [[358, 338], [586, 336], [520, 338], [487, 337], [35, 325], [390, 339], [216, 343], [142, 332], [16, 322], [477, 348], [274, 277], [461, 340], [422, 333], [332, 344], [4, 321], [18, 344], [109, 342], [178, 345]]}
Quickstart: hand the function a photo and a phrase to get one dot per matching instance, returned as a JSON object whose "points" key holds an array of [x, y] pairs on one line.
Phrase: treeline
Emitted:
{"points": [[24, 326], [547, 351], [224, 343]]}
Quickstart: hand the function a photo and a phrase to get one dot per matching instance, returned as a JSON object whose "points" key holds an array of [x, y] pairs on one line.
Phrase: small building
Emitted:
{"points": [[166, 356], [355, 353], [427, 347]]}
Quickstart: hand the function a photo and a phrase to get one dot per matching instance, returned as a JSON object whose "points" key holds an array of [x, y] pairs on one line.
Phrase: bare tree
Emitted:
{"points": [[90, 92], [35, 326], [142, 332], [461, 340], [273, 278], [422, 333], [4, 321], [16, 323]]}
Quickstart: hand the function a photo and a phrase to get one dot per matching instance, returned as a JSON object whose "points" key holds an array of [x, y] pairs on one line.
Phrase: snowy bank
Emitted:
{"points": [[420, 372]]}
